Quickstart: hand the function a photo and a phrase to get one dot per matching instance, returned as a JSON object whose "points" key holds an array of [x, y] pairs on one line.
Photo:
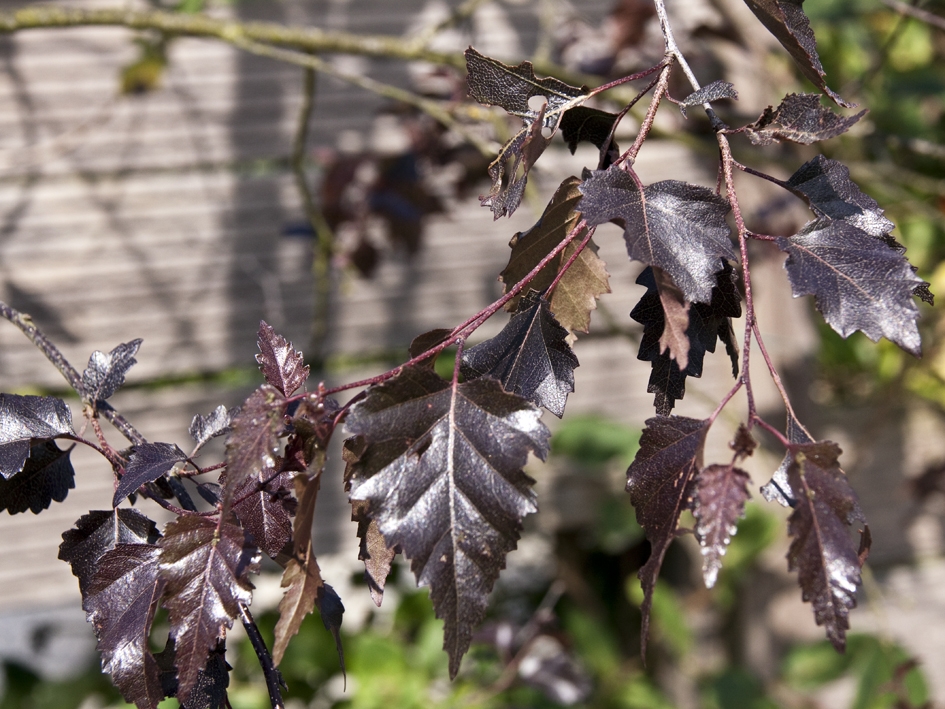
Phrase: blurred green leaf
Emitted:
{"points": [[595, 439]]}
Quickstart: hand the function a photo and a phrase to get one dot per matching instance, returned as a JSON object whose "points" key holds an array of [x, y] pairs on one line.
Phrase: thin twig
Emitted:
{"points": [[916, 13], [274, 681], [658, 93]]}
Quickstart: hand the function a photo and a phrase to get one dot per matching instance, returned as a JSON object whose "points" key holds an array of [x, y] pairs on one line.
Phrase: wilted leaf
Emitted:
{"points": [[98, 532], [205, 569], [216, 423], [25, 418], [442, 472], [785, 19], [47, 475], [106, 372], [673, 341], [493, 83], [822, 551], [858, 281], [253, 443], [676, 226], [576, 294], [720, 496], [826, 186], [799, 118], [708, 322], [120, 603], [281, 365], [148, 462], [530, 357], [660, 483], [265, 506], [302, 584], [715, 91]]}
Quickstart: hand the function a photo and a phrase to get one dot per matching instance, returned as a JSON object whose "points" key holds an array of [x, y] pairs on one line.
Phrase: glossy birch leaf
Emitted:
{"points": [[98, 532], [253, 443], [715, 91], [660, 483], [673, 225], [281, 365], [120, 603], [216, 423], [826, 186], [206, 573], [530, 357], [442, 472], [105, 373], [493, 83], [148, 462], [785, 19], [265, 506], [799, 118], [822, 551], [46, 476], [27, 418], [587, 279], [720, 495], [859, 283]]}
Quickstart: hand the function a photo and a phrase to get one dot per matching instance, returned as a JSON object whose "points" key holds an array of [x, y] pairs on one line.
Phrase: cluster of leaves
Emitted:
{"points": [[435, 466]]}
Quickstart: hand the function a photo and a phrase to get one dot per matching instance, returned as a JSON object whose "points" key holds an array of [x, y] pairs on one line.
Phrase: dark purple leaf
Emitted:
{"points": [[120, 603], [442, 472], [205, 568], [673, 225], [148, 462], [209, 692], [778, 489], [720, 496], [530, 356], [25, 418], [715, 91], [253, 444], [660, 483], [106, 372], [373, 551], [493, 83], [216, 423], [264, 505], [427, 341], [576, 294], [281, 365], [785, 19], [98, 532], [858, 281], [708, 322], [822, 550], [826, 186], [47, 475], [592, 125], [799, 118]]}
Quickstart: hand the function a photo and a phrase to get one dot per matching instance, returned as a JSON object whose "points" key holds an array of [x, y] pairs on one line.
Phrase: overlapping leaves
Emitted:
{"points": [[46, 476], [205, 566], [442, 473], [493, 83], [530, 357], [28, 418], [586, 279], [149, 461], [673, 225]]}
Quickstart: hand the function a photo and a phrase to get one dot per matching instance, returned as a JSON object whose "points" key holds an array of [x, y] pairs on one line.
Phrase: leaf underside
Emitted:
{"points": [[530, 357], [672, 225], [715, 91], [822, 550], [442, 473], [216, 423], [785, 19], [205, 570], [707, 323], [660, 483], [587, 279]]}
